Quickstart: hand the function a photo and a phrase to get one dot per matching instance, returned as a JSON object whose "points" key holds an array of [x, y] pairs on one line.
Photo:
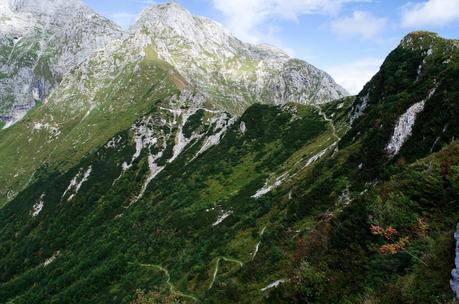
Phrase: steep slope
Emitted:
{"points": [[232, 73], [40, 41], [187, 231], [109, 90], [102, 96], [271, 207], [389, 238], [408, 110], [138, 174]]}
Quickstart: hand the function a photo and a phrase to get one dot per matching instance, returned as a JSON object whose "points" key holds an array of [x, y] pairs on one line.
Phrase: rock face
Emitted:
{"points": [[405, 126], [40, 41], [455, 273], [223, 68]]}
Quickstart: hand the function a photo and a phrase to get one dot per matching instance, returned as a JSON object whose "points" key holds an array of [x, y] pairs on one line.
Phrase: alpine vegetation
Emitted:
{"points": [[174, 163]]}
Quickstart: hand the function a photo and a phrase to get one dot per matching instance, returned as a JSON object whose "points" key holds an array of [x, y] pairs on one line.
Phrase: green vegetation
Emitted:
{"points": [[277, 211], [176, 212], [151, 86], [424, 63], [3, 75], [193, 123]]}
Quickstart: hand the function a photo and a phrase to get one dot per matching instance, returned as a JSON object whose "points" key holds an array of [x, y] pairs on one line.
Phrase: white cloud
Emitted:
{"points": [[245, 16], [123, 19], [353, 76], [432, 12], [361, 23]]}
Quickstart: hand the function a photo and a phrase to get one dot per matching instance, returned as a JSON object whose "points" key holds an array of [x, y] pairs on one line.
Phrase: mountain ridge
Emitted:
{"points": [[86, 93], [142, 180], [43, 6], [222, 67], [241, 72]]}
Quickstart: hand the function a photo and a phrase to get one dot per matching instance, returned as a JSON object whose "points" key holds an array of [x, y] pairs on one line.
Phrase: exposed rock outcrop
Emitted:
{"points": [[233, 73], [405, 125], [41, 41]]}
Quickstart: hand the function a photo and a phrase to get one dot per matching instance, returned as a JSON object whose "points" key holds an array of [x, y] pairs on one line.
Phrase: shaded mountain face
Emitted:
{"points": [[40, 41], [130, 178], [408, 109]]}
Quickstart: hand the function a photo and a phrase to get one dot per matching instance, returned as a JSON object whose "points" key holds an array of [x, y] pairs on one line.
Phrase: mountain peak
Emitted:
{"points": [[219, 64], [170, 7], [419, 40], [170, 21], [67, 31], [421, 35], [173, 17], [165, 11], [173, 5]]}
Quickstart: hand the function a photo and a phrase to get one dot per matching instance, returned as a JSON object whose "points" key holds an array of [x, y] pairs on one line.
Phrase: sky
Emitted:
{"points": [[349, 39]]}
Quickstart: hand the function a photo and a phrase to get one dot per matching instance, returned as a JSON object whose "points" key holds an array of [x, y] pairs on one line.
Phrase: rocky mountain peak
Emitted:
{"points": [[207, 33], [40, 42], [225, 69], [171, 14], [173, 22], [172, 8]]}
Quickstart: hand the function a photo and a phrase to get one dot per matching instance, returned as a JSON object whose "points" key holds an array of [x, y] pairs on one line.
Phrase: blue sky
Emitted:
{"points": [[347, 38]]}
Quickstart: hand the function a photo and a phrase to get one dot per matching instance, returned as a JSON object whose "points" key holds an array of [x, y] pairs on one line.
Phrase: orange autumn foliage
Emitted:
{"points": [[387, 233], [377, 230], [395, 247]]}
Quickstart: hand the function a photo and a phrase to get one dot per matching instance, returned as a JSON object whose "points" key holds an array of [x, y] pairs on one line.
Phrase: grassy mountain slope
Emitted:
{"points": [[63, 130], [423, 68], [272, 207], [174, 225]]}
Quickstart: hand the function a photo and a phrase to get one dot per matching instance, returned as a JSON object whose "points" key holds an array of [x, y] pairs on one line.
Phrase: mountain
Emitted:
{"points": [[40, 41], [232, 73], [415, 91], [121, 82], [174, 163], [352, 201], [43, 40]]}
